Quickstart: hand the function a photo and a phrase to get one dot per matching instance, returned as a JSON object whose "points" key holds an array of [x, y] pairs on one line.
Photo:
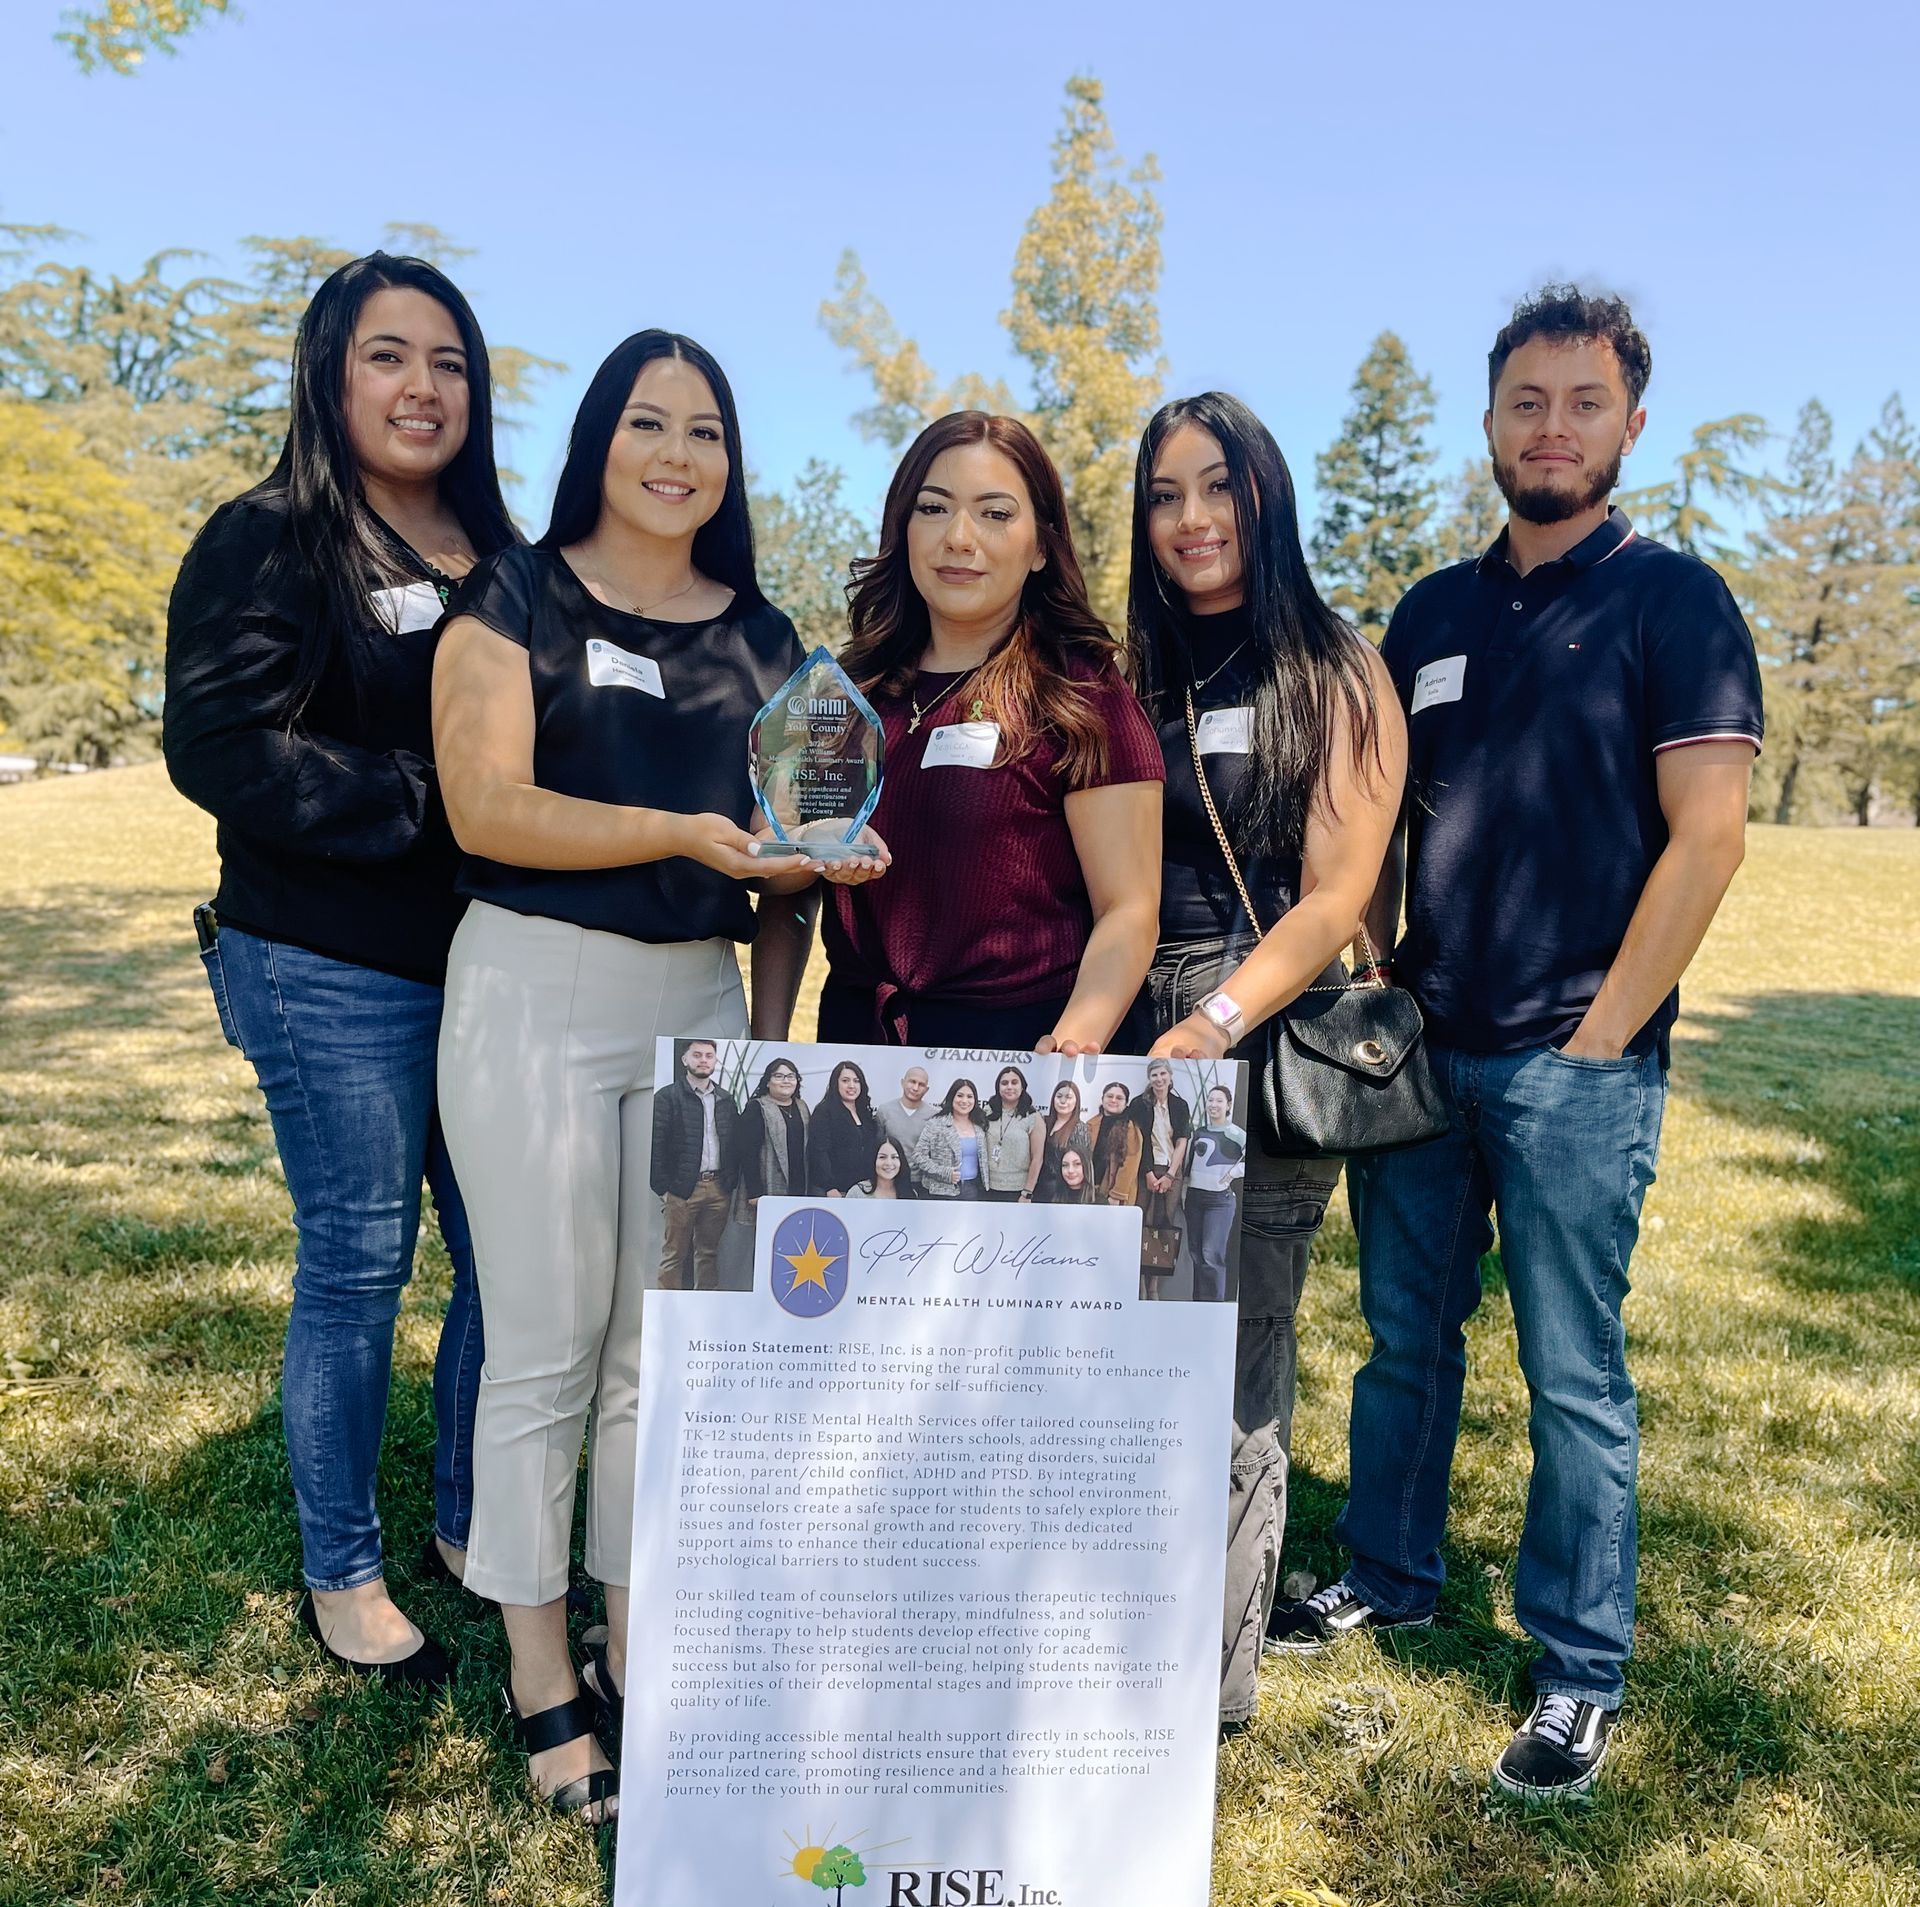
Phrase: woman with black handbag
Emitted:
{"points": [[1286, 755]]}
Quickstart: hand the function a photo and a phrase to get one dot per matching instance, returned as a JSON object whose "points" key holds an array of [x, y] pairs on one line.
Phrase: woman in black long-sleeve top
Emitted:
{"points": [[299, 661], [842, 1135]]}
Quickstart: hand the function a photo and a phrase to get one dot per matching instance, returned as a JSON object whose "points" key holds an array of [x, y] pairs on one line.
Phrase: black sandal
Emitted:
{"points": [[612, 1704], [554, 1728]]}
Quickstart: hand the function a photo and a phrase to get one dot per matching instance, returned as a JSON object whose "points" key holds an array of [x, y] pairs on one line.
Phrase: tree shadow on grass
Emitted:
{"points": [[96, 952], [1725, 1688], [1839, 1074], [135, 1609]]}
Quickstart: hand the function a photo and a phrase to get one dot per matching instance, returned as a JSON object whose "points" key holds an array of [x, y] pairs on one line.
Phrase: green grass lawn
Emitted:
{"points": [[167, 1735]]}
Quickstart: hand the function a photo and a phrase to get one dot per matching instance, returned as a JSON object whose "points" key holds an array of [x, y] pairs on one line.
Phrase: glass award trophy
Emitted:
{"points": [[814, 758]]}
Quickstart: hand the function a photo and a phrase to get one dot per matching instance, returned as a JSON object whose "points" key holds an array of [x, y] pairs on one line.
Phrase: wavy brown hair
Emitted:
{"points": [[1026, 686]]}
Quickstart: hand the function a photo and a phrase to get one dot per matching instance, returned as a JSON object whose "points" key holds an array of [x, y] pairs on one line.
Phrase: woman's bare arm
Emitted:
{"points": [[1116, 834]]}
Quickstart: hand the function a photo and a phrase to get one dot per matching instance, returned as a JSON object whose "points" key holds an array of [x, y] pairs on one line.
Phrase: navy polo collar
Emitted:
{"points": [[1613, 534]]}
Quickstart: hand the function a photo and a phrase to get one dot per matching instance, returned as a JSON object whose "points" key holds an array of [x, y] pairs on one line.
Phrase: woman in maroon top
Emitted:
{"points": [[1021, 798]]}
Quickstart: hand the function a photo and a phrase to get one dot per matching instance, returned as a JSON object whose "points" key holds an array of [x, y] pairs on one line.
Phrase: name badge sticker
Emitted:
{"points": [[1440, 681], [611, 668], [1226, 731], [407, 607], [962, 745]]}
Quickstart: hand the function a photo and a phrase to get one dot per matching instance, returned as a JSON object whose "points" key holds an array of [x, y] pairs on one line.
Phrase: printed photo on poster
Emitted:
{"points": [[736, 1121]]}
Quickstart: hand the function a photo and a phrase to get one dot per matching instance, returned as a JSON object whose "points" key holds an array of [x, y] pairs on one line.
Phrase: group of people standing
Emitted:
{"points": [[486, 833], [713, 1160]]}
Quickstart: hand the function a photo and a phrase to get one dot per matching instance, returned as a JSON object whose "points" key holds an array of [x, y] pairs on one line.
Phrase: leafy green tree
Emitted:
{"points": [[175, 385], [1375, 532], [85, 566], [1084, 318], [119, 34], [806, 540], [180, 378], [1711, 467], [839, 1868]]}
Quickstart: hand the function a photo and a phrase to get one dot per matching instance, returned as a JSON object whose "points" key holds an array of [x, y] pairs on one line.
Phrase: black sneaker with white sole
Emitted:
{"points": [[1557, 1752], [1305, 1628]]}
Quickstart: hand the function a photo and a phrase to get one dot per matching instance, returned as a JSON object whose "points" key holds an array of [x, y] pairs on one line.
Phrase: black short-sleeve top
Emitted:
{"points": [[635, 711], [1537, 707]]}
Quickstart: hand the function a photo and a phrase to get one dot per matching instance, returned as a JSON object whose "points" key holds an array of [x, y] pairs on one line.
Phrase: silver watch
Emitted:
{"points": [[1224, 1011]]}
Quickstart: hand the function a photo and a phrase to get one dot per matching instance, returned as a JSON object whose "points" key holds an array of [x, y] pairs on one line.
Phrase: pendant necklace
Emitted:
{"points": [[627, 604], [933, 701], [1200, 687]]}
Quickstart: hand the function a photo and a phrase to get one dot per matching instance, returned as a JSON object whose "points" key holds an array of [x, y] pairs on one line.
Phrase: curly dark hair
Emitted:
{"points": [[1567, 314]]}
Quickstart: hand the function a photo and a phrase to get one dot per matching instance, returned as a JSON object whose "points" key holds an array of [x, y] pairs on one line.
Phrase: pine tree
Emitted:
{"points": [[1710, 466], [1084, 318], [1830, 585], [1475, 511], [1375, 533]]}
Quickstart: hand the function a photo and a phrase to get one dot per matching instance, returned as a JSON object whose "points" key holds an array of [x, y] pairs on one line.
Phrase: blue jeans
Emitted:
{"points": [[345, 1057], [1210, 1219], [1563, 1150]]}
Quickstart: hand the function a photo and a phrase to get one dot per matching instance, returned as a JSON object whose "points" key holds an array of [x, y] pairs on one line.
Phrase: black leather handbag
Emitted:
{"points": [[1343, 1069]]}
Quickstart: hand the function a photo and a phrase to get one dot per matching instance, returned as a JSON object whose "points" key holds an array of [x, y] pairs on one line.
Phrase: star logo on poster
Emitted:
{"points": [[809, 1269]]}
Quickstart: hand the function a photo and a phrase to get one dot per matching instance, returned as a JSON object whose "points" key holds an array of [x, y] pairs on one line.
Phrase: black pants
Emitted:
{"points": [[1285, 1200]]}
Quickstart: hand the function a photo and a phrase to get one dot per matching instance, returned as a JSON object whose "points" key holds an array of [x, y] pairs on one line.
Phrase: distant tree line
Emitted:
{"points": [[130, 407]]}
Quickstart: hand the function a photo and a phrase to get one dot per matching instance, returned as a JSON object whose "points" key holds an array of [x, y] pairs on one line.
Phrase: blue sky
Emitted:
{"points": [[1745, 174]]}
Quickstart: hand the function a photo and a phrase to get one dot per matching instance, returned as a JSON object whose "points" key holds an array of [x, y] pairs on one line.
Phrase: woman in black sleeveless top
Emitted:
{"points": [[592, 701], [1298, 732]]}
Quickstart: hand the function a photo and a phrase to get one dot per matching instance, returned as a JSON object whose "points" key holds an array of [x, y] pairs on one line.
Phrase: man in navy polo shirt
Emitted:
{"points": [[1583, 711]]}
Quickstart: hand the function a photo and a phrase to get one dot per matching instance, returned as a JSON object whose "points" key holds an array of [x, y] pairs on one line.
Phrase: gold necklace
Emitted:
{"points": [[933, 701], [622, 601]]}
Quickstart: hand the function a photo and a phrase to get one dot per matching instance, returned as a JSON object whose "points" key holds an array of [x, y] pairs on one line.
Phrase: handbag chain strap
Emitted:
{"points": [[1233, 864]]}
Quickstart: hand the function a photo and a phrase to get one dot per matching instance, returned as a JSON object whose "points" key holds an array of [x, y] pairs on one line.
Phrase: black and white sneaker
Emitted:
{"points": [[1557, 1753], [1305, 1628]]}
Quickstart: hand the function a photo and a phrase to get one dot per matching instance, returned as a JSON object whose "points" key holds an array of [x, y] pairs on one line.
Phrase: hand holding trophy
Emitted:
{"points": [[814, 757]]}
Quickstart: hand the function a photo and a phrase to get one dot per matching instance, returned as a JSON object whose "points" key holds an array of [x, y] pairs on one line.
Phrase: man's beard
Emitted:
{"points": [[1547, 502]]}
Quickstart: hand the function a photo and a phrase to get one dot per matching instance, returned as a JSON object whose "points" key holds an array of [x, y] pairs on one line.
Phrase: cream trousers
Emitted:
{"points": [[546, 1096]]}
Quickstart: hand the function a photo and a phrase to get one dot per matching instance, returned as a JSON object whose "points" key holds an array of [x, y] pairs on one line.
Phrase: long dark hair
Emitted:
{"points": [[723, 545], [1312, 665], [1025, 1106], [1026, 686], [953, 1092], [903, 1179], [1110, 1143], [831, 1097], [1088, 1191], [344, 548]]}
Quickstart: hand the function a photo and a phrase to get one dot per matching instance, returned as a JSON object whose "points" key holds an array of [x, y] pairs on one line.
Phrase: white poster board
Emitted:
{"points": [[928, 1568]]}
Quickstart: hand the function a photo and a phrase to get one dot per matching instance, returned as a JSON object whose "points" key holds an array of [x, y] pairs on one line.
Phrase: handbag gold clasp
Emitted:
{"points": [[1370, 1053]]}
